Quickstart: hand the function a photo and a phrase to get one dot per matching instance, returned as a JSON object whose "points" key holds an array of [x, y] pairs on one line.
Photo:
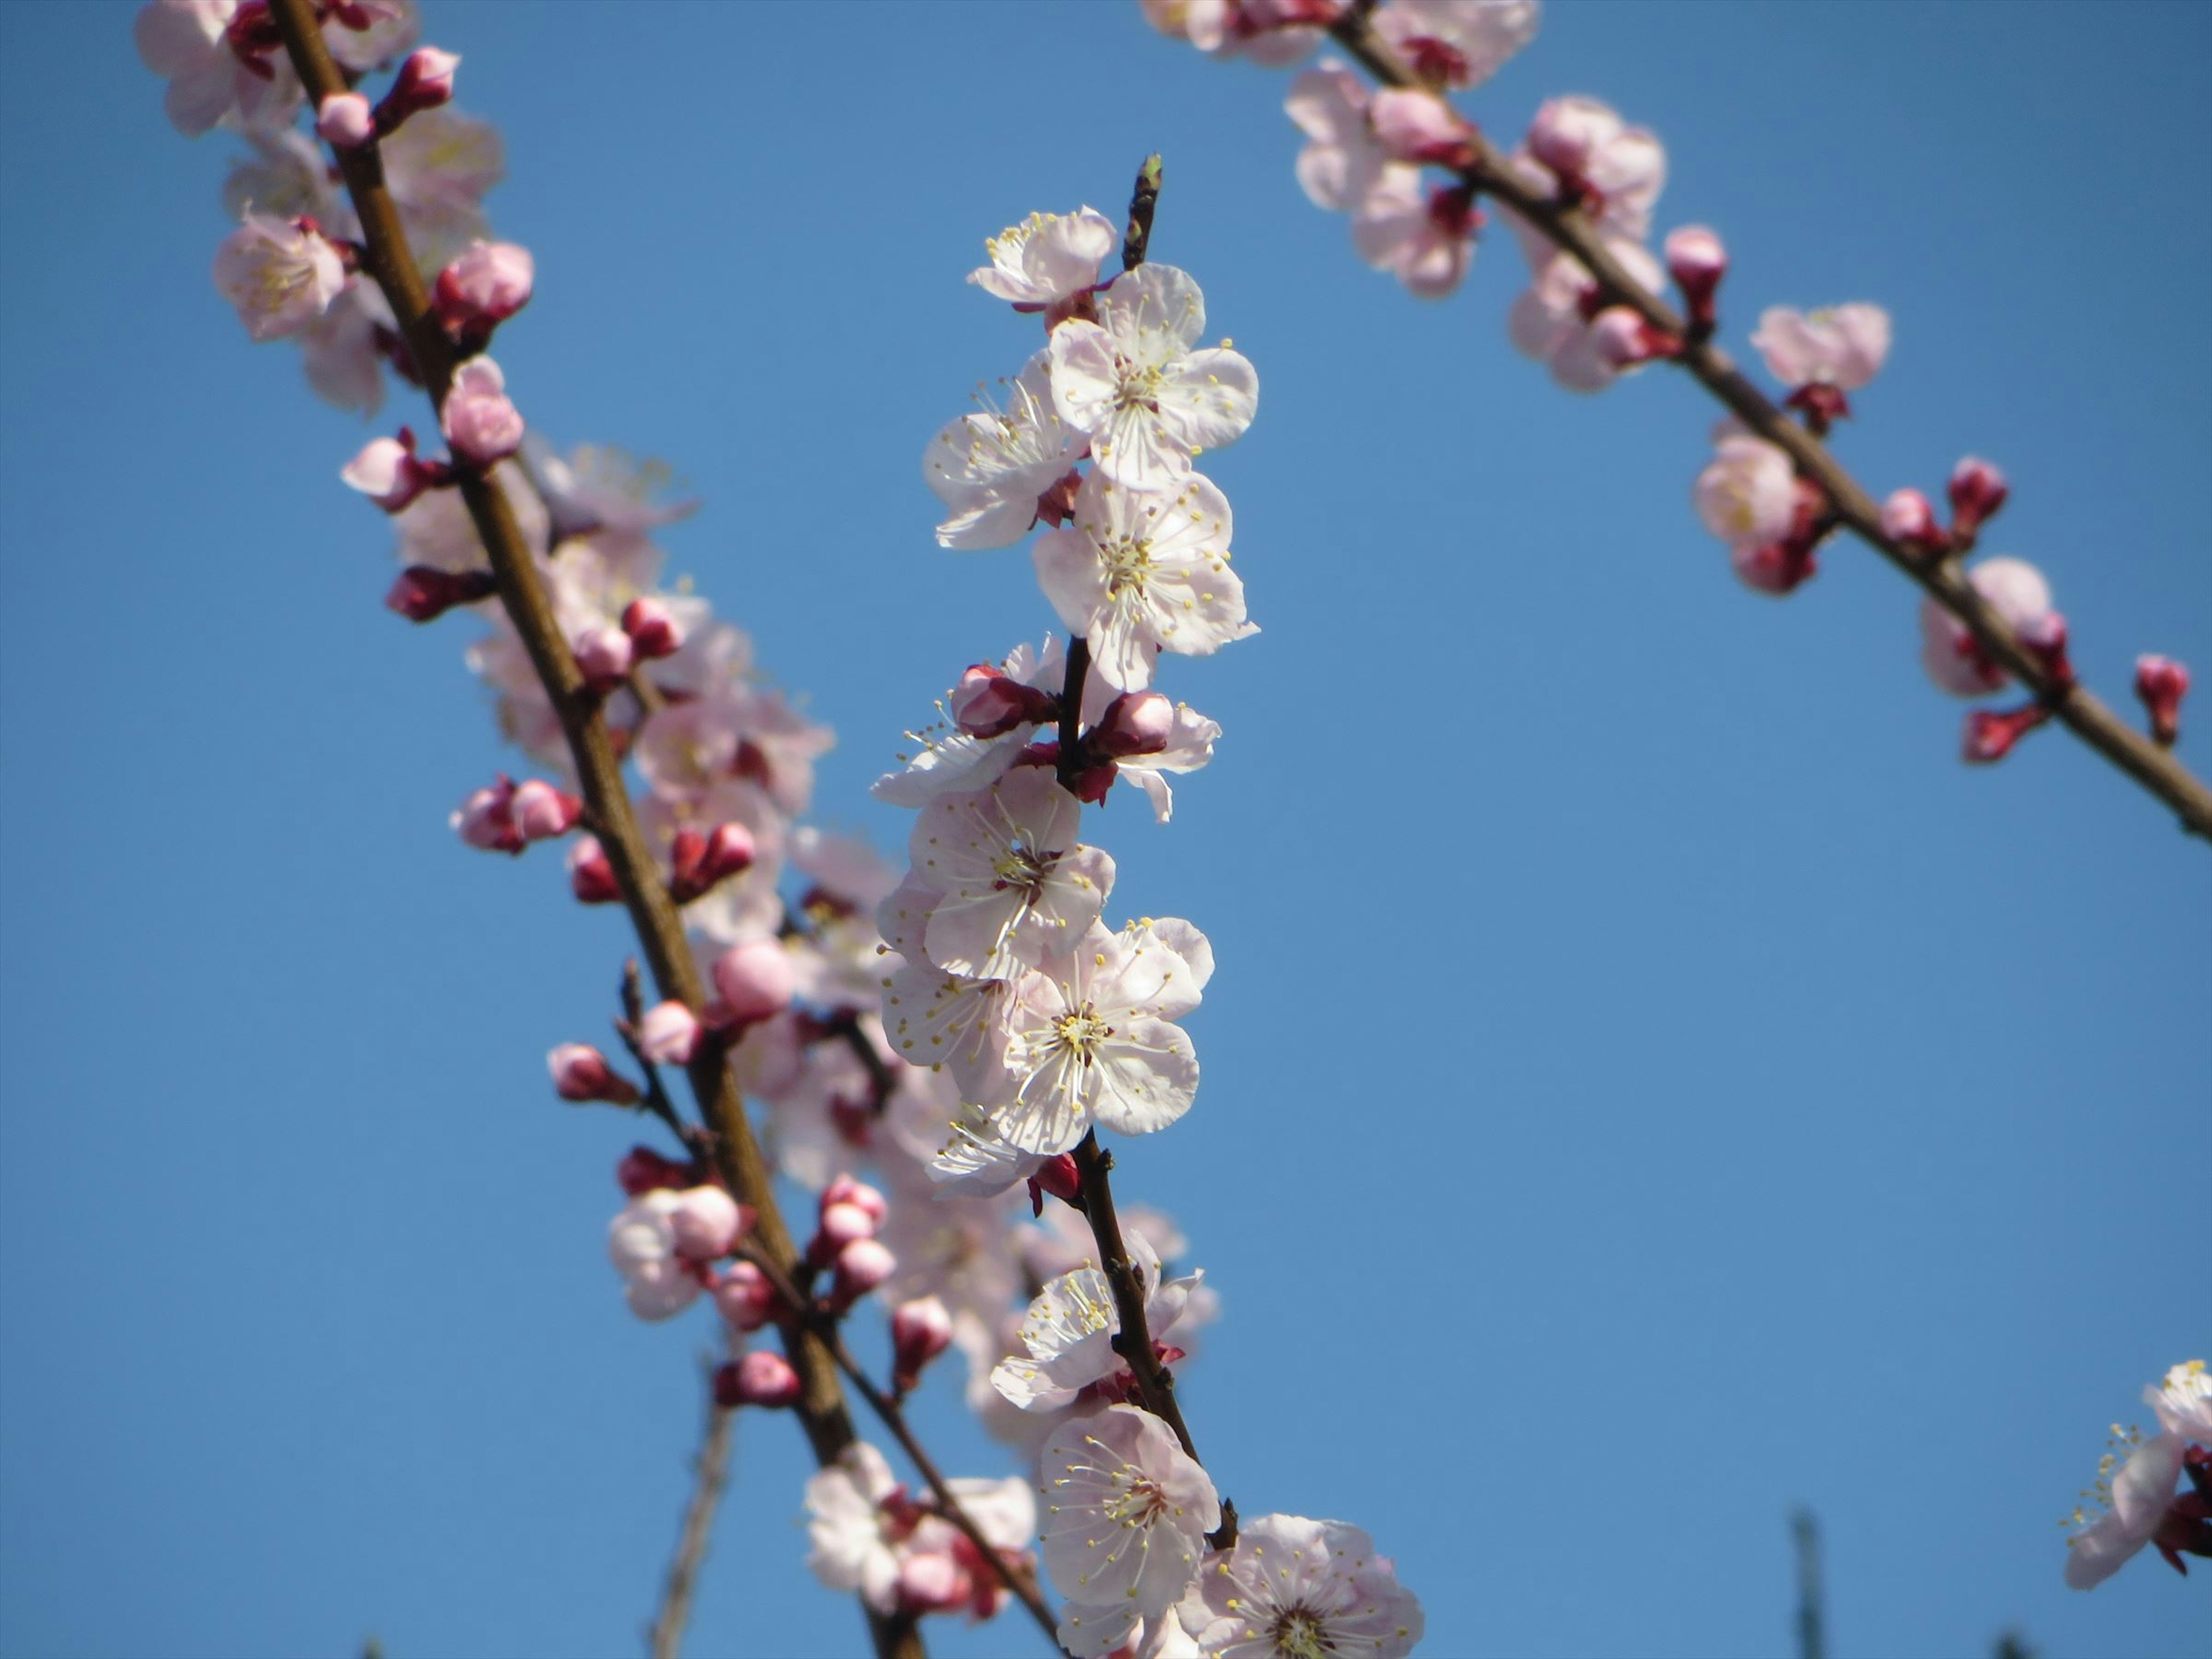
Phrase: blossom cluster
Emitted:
{"points": [[2134, 1501], [1407, 168]]}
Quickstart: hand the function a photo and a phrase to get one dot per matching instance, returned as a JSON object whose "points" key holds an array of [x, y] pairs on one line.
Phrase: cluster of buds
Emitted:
{"points": [[849, 1215], [605, 655], [666, 1241], [505, 815]]}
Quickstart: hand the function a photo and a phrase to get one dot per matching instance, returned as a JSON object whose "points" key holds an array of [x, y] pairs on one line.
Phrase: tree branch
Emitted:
{"points": [[709, 1474], [390, 262], [1939, 577]]}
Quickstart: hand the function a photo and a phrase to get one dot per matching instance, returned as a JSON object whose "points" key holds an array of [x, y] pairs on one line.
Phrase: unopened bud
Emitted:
{"points": [[580, 1072], [424, 82], [986, 703], [422, 593], [1418, 126], [729, 852], [1624, 340], [744, 1298], [759, 1378], [1909, 517], [644, 1170], [844, 1189], [755, 979], [541, 811], [1978, 490], [1059, 1177], [2044, 636], [708, 1222], [2162, 683], [486, 818], [1697, 261], [1563, 134], [841, 1224], [921, 1330], [479, 420], [668, 1033], [930, 1581], [591, 877], [603, 657], [344, 120], [1990, 733], [861, 1266], [483, 288], [652, 628], [1135, 723]]}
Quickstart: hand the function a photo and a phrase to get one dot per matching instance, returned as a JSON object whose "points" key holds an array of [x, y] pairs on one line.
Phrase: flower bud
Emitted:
{"points": [[1909, 517], [1990, 733], [484, 286], [478, 420], [541, 811], [1697, 261], [921, 1330], [344, 120], [841, 1224], [930, 1581], [861, 1266], [729, 852], [389, 472], [1135, 723], [591, 877], [1564, 134], [668, 1033], [580, 1072], [1420, 127], [644, 1170], [423, 594], [986, 703], [2162, 683], [1978, 490], [2044, 636], [603, 657], [844, 1189], [1059, 1177], [1624, 340], [758, 1378], [652, 628], [424, 82], [708, 1222], [486, 818], [744, 1298], [755, 979]]}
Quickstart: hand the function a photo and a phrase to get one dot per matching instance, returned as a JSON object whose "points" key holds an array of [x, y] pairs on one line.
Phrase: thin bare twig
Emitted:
{"points": [[390, 262], [1566, 228], [710, 1474]]}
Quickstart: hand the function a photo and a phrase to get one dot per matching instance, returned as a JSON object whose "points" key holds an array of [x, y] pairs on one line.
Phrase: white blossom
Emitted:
{"points": [[2183, 1401], [1842, 346], [1068, 1331], [1014, 884], [1295, 1588], [1125, 1512], [989, 468], [2133, 1496], [1046, 258]]}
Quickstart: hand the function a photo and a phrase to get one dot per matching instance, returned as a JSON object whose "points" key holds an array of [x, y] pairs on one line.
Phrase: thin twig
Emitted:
{"points": [[1812, 1610], [710, 1474], [388, 259], [1566, 228]]}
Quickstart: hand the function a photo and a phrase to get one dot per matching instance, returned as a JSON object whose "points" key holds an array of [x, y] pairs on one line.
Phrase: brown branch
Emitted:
{"points": [[390, 262], [1941, 578], [709, 1474]]}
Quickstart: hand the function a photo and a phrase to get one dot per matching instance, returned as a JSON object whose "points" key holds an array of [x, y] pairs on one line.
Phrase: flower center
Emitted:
{"points": [[1080, 1032], [1137, 388], [1300, 1635], [1128, 562], [1137, 1501], [1020, 869]]}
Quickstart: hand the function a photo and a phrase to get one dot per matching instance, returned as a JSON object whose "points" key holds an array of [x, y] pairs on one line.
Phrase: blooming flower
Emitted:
{"points": [[280, 276], [1046, 258], [2183, 1401], [1142, 571], [1551, 321], [2016, 591], [1015, 886], [1342, 159], [1132, 380], [990, 467], [1125, 1512], [1841, 346], [183, 42], [641, 1243], [2133, 1500], [1460, 43], [1424, 237], [1748, 493], [1617, 171], [1068, 1331], [1294, 1589], [478, 419]]}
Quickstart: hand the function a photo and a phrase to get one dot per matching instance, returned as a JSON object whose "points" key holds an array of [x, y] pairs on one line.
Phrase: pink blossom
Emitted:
{"points": [[758, 1378], [477, 420], [1551, 320], [1135, 723], [2134, 1495], [1457, 43], [1908, 517], [386, 471], [642, 1245], [755, 979], [861, 1266], [281, 277], [668, 1033], [1046, 258], [1424, 237], [541, 812], [1293, 1586], [848, 1190], [486, 285], [1342, 159], [1272, 33], [706, 1223], [1842, 347], [186, 43], [1616, 170], [344, 120], [743, 1297], [486, 818], [2016, 591], [1125, 1515], [604, 656], [580, 1072], [1415, 125], [1748, 493]]}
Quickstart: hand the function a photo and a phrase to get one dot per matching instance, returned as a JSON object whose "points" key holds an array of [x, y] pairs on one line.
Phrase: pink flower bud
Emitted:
{"points": [[424, 82], [921, 1330], [744, 1298], [755, 979], [708, 1222], [668, 1033], [1564, 133], [652, 628], [1990, 733], [344, 120], [1623, 339], [986, 703], [580, 1072], [486, 818], [1420, 127], [759, 1378], [422, 593], [844, 1189], [1059, 1177], [841, 1224], [2162, 683], [591, 877], [930, 1581], [1135, 723], [861, 1266], [541, 811], [1697, 261], [603, 657], [477, 420], [484, 286], [2044, 636], [729, 852], [1909, 517], [644, 1170], [1978, 490]]}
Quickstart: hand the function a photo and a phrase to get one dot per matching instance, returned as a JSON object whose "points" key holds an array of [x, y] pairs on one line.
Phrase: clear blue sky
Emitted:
{"points": [[1650, 1084]]}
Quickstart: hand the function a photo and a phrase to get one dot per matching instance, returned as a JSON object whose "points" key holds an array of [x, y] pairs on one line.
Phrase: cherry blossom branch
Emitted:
{"points": [[710, 1475], [388, 259], [1938, 573], [1021, 1585]]}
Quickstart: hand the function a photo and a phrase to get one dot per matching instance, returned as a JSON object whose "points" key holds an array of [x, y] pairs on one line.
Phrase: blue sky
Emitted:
{"points": [[1650, 1084]]}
